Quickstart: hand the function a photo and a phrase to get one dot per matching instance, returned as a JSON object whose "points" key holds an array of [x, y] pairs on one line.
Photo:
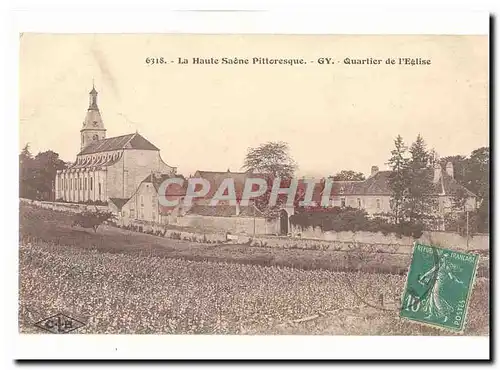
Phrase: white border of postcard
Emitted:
{"points": [[109, 20]]}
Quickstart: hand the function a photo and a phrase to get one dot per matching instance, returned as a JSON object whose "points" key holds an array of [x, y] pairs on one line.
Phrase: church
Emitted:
{"points": [[107, 167]]}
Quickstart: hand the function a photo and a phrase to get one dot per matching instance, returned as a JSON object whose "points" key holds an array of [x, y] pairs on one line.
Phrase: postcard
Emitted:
{"points": [[232, 185]]}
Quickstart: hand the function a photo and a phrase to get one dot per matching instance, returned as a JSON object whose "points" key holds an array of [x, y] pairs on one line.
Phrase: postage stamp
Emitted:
{"points": [[439, 287]]}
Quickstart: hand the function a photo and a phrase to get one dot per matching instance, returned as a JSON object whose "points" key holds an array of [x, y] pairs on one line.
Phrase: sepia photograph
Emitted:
{"points": [[326, 185]]}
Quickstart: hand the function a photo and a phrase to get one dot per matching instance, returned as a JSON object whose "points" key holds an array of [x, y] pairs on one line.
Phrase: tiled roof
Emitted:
{"points": [[119, 202], [317, 191], [452, 186], [216, 178], [139, 142], [130, 141], [173, 189], [374, 185]]}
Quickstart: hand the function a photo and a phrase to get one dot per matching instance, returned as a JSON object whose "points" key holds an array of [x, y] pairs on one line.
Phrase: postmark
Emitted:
{"points": [[439, 287]]}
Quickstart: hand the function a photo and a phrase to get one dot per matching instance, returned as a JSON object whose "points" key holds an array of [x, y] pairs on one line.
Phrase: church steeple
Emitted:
{"points": [[93, 127], [93, 98]]}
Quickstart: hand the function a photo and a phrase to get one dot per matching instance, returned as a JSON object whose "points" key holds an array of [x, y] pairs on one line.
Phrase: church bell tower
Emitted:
{"points": [[93, 127]]}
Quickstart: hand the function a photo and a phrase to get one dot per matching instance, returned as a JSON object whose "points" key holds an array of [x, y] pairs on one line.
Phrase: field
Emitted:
{"points": [[120, 282]]}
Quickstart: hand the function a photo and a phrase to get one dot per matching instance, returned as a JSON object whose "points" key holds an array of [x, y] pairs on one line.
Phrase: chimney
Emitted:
{"points": [[437, 173], [449, 169], [374, 170]]}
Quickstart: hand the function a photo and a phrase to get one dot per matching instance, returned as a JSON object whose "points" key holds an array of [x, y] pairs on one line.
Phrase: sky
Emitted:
{"points": [[334, 117]]}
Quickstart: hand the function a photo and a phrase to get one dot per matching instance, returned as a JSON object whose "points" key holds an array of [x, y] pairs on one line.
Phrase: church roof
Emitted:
{"points": [[130, 141]]}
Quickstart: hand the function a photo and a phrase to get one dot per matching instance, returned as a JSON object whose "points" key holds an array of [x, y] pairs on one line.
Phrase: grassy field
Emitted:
{"points": [[123, 282]]}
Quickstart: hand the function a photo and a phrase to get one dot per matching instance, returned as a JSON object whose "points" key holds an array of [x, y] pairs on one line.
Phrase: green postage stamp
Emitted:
{"points": [[439, 287]]}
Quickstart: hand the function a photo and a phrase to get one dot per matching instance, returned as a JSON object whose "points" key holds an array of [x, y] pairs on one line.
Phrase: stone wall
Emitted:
{"points": [[241, 232], [271, 241], [64, 207], [440, 238], [233, 224]]}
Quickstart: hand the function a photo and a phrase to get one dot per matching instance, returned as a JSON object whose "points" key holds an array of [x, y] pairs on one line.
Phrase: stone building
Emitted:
{"points": [[374, 194], [107, 167], [144, 203]]}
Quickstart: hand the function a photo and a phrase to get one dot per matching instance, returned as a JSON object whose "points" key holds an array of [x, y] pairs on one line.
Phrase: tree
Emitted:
{"points": [[26, 189], [477, 180], [349, 175], [271, 158], [460, 220], [421, 203], [473, 174], [92, 219], [459, 200], [398, 179], [37, 174], [46, 165]]}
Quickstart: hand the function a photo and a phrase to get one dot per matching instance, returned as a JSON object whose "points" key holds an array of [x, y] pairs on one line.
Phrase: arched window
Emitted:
{"points": [[91, 183]]}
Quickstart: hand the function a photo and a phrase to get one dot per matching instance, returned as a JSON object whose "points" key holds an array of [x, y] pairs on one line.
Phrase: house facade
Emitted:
{"points": [[374, 194], [144, 204]]}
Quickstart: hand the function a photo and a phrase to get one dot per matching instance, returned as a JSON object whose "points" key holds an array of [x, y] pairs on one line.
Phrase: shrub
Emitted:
{"points": [[175, 235], [352, 219], [92, 219]]}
